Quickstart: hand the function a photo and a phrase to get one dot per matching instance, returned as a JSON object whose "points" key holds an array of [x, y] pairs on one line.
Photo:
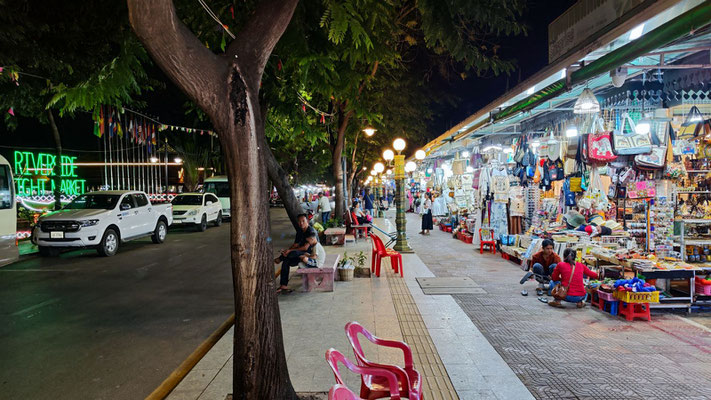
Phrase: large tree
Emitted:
{"points": [[226, 87]]}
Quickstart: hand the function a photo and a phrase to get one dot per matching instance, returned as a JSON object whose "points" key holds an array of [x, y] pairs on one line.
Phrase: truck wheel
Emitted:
{"points": [[48, 251], [218, 220], [202, 226], [109, 243], [159, 233]]}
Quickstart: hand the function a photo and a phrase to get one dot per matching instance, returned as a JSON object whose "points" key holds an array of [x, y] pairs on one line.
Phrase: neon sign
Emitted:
{"points": [[34, 172]]}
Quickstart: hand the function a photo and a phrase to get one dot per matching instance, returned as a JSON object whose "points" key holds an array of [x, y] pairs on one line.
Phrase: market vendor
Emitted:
{"points": [[543, 263], [570, 274]]}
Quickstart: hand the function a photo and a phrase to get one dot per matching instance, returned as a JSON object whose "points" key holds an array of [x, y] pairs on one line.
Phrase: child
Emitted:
{"points": [[317, 257]]}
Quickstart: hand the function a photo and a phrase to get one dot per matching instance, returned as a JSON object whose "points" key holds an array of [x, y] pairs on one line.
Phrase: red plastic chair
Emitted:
{"points": [[357, 228], [489, 233], [378, 381], [409, 379], [341, 392], [382, 252]]}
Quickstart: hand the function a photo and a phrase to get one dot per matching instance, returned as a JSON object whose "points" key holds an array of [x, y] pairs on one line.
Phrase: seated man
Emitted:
{"points": [[292, 256], [316, 258], [543, 263]]}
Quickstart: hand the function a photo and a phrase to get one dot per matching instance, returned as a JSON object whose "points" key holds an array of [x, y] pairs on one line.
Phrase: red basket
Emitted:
{"points": [[704, 290], [468, 239]]}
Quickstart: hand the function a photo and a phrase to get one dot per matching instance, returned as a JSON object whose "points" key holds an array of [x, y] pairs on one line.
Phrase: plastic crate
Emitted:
{"points": [[468, 239], [704, 290], [637, 297], [606, 296]]}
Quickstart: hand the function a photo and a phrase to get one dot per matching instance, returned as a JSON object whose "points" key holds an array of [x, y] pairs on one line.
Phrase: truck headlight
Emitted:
{"points": [[192, 212], [88, 222]]}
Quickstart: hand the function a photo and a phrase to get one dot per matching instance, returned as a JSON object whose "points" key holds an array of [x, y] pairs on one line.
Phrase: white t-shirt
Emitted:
{"points": [[324, 204], [320, 255]]}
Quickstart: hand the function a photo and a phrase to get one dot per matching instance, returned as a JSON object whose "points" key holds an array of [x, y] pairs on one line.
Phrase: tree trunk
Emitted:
{"points": [[57, 179], [280, 179], [227, 89], [336, 160]]}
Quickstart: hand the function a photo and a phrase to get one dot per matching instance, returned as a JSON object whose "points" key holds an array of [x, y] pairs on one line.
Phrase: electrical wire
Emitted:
{"points": [[214, 16]]}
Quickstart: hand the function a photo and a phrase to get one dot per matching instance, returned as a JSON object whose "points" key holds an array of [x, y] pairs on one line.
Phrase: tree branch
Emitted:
{"points": [[255, 42], [187, 62]]}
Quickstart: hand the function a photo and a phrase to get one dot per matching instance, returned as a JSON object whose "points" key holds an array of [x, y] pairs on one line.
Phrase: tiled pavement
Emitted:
{"points": [[571, 353]]}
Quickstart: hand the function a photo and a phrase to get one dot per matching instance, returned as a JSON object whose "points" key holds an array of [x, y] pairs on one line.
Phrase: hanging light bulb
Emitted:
{"points": [[571, 131], [587, 103], [465, 154], [643, 127]]}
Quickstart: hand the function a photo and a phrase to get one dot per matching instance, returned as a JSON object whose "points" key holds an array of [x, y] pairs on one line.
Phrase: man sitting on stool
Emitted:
{"points": [[292, 256], [544, 263]]}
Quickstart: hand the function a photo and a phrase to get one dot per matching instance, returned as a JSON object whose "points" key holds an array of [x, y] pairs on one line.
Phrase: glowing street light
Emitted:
{"points": [[399, 145], [369, 131], [388, 155], [378, 167], [420, 155]]}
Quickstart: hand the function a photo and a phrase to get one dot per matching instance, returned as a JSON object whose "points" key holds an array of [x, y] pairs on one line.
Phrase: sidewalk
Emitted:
{"points": [[455, 359]]}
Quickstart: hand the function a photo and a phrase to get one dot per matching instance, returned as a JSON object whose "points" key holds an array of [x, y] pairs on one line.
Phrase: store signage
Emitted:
{"points": [[34, 173]]}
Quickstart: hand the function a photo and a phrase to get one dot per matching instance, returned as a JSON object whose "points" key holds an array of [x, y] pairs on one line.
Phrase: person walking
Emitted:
{"points": [[427, 214], [368, 203], [324, 206]]}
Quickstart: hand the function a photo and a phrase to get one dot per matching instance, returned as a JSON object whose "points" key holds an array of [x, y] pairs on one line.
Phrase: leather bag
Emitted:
{"points": [[560, 292], [692, 126]]}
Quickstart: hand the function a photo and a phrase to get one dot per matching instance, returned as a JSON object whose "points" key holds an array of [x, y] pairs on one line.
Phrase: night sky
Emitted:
{"points": [[530, 53]]}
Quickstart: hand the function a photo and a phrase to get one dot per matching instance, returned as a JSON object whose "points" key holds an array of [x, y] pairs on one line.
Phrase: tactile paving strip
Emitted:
{"points": [[436, 384]]}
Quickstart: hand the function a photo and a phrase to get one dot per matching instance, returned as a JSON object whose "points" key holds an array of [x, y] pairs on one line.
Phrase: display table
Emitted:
{"points": [[668, 275]]}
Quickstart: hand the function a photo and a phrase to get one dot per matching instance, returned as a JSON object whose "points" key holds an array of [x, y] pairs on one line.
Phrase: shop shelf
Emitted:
{"points": [[698, 220], [696, 242], [698, 171], [637, 297]]}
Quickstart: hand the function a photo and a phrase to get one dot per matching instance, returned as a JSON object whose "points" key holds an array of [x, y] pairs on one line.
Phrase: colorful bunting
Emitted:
{"points": [[11, 111]]}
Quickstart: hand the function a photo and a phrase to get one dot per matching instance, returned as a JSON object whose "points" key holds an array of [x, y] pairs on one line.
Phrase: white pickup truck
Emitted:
{"points": [[102, 220]]}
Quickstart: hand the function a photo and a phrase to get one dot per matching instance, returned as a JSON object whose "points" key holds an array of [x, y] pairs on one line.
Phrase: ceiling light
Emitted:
{"points": [[429, 170], [465, 154], [489, 148], [178, 160], [531, 90], [571, 132], [508, 150], [642, 128], [637, 32], [154, 159], [587, 103], [535, 144]]}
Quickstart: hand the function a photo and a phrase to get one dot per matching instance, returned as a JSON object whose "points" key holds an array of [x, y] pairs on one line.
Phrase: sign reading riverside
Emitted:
{"points": [[33, 172]]}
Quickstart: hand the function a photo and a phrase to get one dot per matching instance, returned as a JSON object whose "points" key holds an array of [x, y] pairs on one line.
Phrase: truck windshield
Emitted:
{"points": [[221, 189], [94, 201], [188, 200], [5, 188]]}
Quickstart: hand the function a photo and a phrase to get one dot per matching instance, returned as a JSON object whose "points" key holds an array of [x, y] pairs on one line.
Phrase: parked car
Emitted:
{"points": [[220, 187], [102, 220], [197, 209]]}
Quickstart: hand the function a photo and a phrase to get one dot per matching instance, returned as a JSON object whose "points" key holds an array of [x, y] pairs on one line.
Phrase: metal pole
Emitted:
{"points": [[166, 167], [401, 244]]}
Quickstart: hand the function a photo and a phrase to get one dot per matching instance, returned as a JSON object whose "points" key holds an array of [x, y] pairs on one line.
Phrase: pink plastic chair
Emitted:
{"points": [[377, 380], [409, 379], [341, 392]]}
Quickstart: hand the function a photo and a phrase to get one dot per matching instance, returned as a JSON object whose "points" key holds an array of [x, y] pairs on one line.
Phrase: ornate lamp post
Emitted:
{"points": [[401, 244]]}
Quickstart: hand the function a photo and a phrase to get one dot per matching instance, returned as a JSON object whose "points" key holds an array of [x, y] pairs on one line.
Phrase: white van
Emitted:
{"points": [[220, 187], [8, 215]]}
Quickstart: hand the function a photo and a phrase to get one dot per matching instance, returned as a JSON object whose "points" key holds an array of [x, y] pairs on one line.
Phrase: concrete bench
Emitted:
{"points": [[326, 274], [335, 236]]}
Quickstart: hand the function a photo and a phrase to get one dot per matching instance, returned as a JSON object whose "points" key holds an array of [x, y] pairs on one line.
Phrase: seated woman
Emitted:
{"points": [[571, 274], [358, 216], [316, 258]]}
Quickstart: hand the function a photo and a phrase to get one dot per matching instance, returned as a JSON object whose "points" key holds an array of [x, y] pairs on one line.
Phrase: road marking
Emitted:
{"points": [[36, 306], [38, 270], [201, 246]]}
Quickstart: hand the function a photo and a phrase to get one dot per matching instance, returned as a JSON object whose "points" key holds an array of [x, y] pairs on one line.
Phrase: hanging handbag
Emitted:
{"points": [[600, 145], [560, 292], [568, 194], [641, 189], [629, 142], [520, 151], [654, 160], [553, 148], [692, 126], [560, 170]]}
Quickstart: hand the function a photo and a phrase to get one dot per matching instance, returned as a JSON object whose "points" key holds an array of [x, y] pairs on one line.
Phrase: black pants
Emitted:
{"points": [[291, 259]]}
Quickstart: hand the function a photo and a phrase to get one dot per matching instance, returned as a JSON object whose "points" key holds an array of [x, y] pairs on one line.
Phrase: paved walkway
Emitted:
{"points": [[571, 353], [455, 359]]}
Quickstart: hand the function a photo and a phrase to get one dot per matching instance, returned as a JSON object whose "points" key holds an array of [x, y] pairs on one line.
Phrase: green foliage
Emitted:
{"points": [[334, 223]]}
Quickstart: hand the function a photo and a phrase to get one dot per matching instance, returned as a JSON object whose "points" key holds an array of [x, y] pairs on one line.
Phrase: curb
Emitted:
{"points": [[162, 391]]}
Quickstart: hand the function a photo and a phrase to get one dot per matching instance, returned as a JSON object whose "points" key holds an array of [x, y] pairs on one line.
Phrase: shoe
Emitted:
{"points": [[539, 292], [555, 304], [580, 304], [543, 300], [524, 292], [526, 277]]}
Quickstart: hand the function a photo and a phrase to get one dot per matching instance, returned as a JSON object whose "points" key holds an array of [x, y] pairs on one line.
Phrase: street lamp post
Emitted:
{"points": [[401, 244], [378, 168]]}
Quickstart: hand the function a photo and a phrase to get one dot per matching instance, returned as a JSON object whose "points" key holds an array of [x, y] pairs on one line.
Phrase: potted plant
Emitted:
{"points": [[346, 268]]}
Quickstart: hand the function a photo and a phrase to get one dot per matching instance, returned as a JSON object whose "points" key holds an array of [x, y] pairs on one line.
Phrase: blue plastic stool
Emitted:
{"points": [[613, 307]]}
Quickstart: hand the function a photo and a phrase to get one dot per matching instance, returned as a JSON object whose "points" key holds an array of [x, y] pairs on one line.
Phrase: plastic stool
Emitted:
{"points": [[635, 310], [613, 308]]}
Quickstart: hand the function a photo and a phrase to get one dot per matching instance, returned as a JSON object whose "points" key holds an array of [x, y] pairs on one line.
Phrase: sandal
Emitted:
{"points": [[555, 304], [285, 291], [580, 304], [539, 292]]}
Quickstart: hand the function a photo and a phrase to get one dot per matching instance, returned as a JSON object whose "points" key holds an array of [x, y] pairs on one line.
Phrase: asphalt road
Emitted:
{"points": [[80, 326]]}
